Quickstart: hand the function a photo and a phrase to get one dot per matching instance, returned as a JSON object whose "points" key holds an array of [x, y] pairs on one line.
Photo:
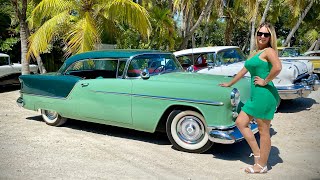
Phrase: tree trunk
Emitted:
{"points": [[197, 24], [312, 45], [253, 24], [246, 41], [263, 19], [228, 32], [24, 35], [206, 29], [295, 28], [317, 46], [21, 15]]}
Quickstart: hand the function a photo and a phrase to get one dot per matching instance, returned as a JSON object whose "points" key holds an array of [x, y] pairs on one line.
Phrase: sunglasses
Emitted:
{"points": [[265, 34]]}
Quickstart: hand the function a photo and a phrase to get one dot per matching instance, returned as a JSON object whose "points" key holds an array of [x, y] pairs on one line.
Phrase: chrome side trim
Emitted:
{"points": [[54, 97], [164, 98]]}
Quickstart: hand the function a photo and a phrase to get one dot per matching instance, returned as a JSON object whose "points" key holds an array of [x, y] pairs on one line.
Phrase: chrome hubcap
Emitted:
{"points": [[52, 115], [190, 129]]}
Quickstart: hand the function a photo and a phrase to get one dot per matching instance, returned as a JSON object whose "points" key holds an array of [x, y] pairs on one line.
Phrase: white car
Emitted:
{"points": [[9, 72], [295, 80]]}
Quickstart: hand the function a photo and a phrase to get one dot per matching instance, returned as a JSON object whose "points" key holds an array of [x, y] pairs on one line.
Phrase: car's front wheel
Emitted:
{"points": [[186, 131], [52, 118]]}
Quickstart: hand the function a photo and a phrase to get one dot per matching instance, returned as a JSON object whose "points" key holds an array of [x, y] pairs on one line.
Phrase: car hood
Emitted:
{"points": [[290, 71], [187, 82]]}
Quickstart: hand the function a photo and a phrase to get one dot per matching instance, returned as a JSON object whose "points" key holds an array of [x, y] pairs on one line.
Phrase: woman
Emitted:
{"points": [[263, 65]]}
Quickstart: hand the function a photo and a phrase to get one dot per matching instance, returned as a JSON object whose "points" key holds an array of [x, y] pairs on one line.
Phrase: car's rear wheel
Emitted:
{"points": [[52, 118], [186, 131]]}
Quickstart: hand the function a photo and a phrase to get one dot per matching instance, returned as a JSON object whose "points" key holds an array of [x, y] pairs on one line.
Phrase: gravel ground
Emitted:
{"points": [[30, 149]]}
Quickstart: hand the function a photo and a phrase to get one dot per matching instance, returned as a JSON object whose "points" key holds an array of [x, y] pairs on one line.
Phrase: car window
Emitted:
{"points": [[94, 68], [229, 56], [4, 61], [122, 65], [154, 63], [289, 52], [185, 60]]}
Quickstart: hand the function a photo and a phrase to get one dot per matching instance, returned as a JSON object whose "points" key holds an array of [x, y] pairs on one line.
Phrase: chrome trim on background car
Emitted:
{"points": [[229, 136], [302, 89]]}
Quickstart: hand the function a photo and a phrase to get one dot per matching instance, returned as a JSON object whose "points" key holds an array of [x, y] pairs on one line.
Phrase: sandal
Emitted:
{"points": [[262, 169]]}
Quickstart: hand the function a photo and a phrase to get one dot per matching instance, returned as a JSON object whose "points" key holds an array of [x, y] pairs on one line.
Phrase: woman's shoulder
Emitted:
{"points": [[270, 50]]}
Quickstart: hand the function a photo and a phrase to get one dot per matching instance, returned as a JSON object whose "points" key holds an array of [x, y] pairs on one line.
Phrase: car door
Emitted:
{"points": [[102, 97]]}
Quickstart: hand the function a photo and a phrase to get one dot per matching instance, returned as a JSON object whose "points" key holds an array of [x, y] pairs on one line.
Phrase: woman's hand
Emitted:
{"points": [[259, 81], [225, 84]]}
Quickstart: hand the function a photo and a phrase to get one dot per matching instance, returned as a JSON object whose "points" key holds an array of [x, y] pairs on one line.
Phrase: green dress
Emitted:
{"points": [[264, 99]]}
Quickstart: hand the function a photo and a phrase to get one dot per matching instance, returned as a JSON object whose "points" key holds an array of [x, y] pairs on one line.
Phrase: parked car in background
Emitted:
{"points": [[293, 54], [9, 72], [142, 90], [295, 80]]}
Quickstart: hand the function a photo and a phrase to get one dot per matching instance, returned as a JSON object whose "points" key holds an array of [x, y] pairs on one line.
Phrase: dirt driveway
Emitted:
{"points": [[30, 149]]}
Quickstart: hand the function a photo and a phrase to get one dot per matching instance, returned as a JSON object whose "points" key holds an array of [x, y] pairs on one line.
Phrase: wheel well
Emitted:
{"points": [[161, 127]]}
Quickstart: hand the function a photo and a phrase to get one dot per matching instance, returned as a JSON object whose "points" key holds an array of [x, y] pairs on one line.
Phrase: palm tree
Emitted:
{"points": [[21, 15], [186, 7], [299, 9], [80, 24]]}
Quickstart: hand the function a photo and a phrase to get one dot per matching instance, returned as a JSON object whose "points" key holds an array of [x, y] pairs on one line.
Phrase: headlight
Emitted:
{"points": [[235, 97]]}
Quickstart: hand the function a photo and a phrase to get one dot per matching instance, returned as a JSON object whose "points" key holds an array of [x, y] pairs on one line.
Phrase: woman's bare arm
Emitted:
{"points": [[236, 78]]}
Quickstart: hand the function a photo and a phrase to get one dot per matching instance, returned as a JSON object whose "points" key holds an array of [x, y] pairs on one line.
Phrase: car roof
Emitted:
{"points": [[112, 53], [4, 55], [203, 50]]}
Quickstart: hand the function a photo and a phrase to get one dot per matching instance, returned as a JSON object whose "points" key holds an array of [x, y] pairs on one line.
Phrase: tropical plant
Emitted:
{"points": [[81, 24]]}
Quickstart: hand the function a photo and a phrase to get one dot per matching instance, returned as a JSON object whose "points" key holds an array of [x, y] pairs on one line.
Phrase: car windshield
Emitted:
{"points": [[154, 63], [229, 56], [4, 61], [288, 52]]}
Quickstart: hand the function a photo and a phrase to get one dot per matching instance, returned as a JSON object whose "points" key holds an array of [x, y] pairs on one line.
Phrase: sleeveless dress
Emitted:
{"points": [[264, 99]]}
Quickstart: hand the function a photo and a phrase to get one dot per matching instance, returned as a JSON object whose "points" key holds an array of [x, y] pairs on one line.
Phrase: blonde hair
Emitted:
{"points": [[273, 38]]}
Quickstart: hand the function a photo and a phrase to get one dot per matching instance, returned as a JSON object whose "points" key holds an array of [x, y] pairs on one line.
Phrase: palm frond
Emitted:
{"points": [[39, 41], [83, 36], [131, 13], [49, 8]]}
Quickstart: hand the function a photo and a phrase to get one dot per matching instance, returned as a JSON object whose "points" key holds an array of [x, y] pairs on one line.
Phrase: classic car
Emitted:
{"points": [[143, 90], [295, 80], [9, 72], [293, 54]]}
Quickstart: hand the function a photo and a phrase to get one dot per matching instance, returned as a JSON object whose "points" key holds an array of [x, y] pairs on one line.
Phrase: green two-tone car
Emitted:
{"points": [[142, 90]]}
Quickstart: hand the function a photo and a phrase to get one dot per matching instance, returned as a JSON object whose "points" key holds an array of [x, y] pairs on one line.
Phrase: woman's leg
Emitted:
{"points": [[265, 141], [242, 123]]}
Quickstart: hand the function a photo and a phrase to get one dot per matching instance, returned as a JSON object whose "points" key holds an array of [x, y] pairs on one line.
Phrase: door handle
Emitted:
{"points": [[84, 84]]}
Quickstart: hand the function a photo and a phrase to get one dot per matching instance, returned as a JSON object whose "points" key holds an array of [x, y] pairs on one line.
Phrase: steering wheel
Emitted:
{"points": [[159, 68]]}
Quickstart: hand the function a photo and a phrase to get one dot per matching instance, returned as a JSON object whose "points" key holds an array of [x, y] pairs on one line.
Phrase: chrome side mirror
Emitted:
{"points": [[145, 74], [190, 69], [210, 65]]}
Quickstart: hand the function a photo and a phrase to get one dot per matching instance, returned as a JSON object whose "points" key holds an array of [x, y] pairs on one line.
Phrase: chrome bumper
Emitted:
{"points": [[229, 135], [302, 89], [20, 102]]}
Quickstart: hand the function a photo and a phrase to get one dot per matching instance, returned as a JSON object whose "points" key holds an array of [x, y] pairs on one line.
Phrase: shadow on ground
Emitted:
{"points": [[156, 138], [4, 89], [296, 105], [241, 151], [231, 152]]}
